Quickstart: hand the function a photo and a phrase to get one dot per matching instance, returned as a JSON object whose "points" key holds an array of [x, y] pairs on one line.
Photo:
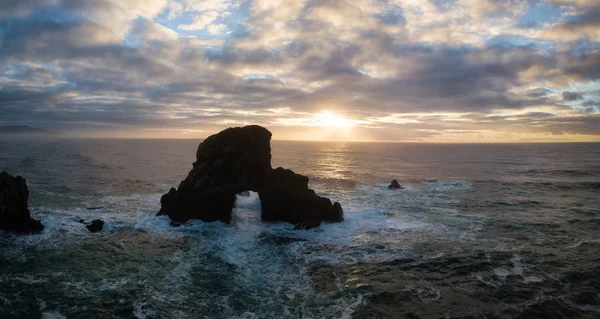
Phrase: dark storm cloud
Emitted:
{"points": [[595, 103], [586, 66], [22, 7], [539, 92], [442, 79], [571, 96]]}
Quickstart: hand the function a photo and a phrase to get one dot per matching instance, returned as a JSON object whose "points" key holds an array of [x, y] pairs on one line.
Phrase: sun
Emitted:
{"points": [[327, 119]]}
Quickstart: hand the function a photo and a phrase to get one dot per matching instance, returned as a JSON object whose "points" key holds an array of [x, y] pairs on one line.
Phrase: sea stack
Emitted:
{"points": [[14, 213], [237, 160], [395, 185]]}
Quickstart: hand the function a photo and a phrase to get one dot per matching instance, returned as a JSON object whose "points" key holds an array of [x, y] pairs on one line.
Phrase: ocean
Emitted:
{"points": [[480, 231]]}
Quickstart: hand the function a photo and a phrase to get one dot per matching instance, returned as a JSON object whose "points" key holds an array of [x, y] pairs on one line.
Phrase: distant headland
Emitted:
{"points": [[22, 129]]}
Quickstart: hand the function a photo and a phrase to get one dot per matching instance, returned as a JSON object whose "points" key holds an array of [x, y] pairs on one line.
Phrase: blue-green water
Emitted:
{"points": [[481, 231]]}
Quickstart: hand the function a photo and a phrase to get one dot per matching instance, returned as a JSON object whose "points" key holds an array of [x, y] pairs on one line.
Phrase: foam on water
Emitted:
{"points": [[266, 265], [411, 194], [52, 315], [485, 224], [271, 259], [251, 201], [271, 273], [447, 186], [143, 310]]}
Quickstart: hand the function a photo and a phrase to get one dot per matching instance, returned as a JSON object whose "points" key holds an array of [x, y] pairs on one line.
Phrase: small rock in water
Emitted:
{"points": [[95, 226], [95, 207], [395, 185]]}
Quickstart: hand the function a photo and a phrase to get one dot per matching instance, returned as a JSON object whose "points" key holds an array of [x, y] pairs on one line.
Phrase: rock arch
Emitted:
{"points": [[236, 160]]}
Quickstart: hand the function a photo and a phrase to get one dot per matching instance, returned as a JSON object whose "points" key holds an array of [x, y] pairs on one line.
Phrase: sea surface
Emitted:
{"points": [[480, 231]]}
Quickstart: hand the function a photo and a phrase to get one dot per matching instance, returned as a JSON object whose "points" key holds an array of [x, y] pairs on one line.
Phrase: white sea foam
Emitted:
{"points": [[251, 202], [579, 243], [447, 186], [373, 195], [52, 315], [29, 279], [425, 294], [143, 310], [518, 269], [273, 272]]}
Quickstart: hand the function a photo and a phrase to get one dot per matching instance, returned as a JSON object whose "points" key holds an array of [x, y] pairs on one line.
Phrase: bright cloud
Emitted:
{"points": [[412, 70]]}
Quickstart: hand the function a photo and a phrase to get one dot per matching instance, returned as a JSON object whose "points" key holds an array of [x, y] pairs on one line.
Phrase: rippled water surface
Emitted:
{"points": [[480, 231]]}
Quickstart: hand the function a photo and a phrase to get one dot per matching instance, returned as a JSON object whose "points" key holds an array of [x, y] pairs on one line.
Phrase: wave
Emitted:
{"points": [[52, 315], [560, 172]]}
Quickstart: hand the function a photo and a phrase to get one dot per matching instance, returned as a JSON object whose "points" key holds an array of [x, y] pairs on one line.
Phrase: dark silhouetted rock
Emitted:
{"points": [[395, 185], [286, 197], [237, 160], [95, 226], [227, 163], [14, 214]]}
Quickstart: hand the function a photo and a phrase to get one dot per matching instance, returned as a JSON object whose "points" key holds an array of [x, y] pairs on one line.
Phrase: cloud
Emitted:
{"points": [[19, 8], [571, 96], [147, 30], [201, 21], [432, 68], [581, 21], [216, 28], [537, 92]]}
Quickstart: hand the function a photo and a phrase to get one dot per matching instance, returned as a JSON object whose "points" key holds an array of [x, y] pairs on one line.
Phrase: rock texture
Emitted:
{"points": [[14, 214], [237, 160], [395, 185]]}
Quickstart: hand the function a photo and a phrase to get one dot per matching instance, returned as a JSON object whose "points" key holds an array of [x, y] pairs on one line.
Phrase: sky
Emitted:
{"points": [[399, 70]]}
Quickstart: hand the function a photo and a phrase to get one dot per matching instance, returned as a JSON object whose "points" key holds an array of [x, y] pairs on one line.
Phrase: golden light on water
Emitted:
{"points": [[328, 119]]}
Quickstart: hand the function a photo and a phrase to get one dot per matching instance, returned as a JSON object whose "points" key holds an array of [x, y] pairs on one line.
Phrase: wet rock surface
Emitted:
{"points": [[14, 212], [286, 197], [237, 160], [95, 226]]}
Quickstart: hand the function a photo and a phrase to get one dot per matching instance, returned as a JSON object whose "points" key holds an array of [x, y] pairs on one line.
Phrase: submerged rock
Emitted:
{"points": [[95, 226], [237, 160], [14, 213], [395, 185]]}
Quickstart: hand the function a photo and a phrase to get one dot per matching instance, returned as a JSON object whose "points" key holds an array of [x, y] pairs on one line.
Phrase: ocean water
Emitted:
{"points": [[480, 231]]}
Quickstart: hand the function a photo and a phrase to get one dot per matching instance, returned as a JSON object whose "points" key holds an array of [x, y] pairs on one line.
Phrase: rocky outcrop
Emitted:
{"points": [[14, 213], [95, 226], [237, 160], [227, 163], [395, 185], [286, 197]]}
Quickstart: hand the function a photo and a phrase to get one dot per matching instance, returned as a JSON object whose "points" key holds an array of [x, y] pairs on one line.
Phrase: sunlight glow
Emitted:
{"points": [[327, 119]]}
